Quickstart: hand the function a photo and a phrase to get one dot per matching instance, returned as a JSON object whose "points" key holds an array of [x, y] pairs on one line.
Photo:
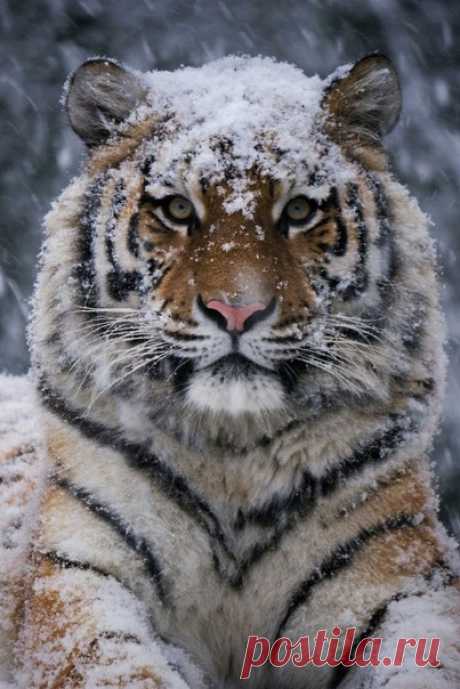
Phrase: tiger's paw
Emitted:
{"points": [[114, 662]]}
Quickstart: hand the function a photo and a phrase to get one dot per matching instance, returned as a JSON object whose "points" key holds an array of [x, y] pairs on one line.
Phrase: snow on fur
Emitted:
{"points": [[21, 476], [257, 105], [22, 472]]}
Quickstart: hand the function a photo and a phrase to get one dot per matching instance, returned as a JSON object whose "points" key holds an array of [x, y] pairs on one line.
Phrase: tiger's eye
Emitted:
{"points": [[180, 208], [298, 209]]}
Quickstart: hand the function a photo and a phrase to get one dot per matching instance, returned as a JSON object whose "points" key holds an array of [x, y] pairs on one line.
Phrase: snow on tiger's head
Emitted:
{"points": [[234, 222]]}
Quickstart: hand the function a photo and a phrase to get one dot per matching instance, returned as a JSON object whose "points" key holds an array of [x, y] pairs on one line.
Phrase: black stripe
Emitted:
{"points": [[375, 452], [260, 442], [360, 278], [183, 371], [133, 235], [339, 673], [385, 240], [290, 374], [256, 553], [280, 514], [66, 563], [146, 167], [314, 178], [340, 246], [115, 521], [171, 484], [120, 636], [381, 206], [342, 558], [118, 201], [157, 272], [119, 281], [299, 501], [185, 337], [204, 184], [413, 328], [85, 270]]}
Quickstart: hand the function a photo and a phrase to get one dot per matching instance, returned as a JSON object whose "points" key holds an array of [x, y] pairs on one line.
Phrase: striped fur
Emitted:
{"points": [[199, 493]]}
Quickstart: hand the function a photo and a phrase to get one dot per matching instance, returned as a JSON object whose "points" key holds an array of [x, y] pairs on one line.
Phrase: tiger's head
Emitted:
{"points": [[237, 239]]}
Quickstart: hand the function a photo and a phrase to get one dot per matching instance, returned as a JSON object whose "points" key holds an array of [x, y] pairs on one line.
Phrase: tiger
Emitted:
{"points": [[238, 367]]}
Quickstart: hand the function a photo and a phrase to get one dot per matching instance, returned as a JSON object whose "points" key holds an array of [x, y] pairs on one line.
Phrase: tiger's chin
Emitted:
{"points": [[235, 386]]}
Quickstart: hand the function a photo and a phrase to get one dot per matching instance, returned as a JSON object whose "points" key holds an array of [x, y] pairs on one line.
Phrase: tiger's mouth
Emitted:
{"points": [[234, 385], [236, 365]]}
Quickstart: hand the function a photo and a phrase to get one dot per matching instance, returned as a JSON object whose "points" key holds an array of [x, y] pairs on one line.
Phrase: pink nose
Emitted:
{"points": [[236, 316]]}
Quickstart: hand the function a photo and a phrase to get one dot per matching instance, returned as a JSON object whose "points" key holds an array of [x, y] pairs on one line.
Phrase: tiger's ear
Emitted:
{"points": [[101, 94], [363, 105]]}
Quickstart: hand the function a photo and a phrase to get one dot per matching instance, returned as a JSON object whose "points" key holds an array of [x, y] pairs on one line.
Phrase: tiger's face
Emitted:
{"points": [[237, 274], [239, 296]]}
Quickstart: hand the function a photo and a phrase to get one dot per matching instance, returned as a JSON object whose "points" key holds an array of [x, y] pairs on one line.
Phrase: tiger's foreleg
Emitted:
{"points": [[420, 635], [85, 630], [389, 579]]}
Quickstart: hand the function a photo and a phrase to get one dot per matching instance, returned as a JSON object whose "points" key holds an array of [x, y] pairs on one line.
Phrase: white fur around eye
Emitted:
{"points": [[296, 229], [181, 228]]}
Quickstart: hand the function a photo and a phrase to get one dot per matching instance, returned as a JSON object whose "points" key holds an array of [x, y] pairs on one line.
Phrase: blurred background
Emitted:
{"points": [[42, 41]]}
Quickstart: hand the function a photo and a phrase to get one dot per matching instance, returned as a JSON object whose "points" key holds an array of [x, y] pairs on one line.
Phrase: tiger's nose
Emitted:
{"points": [[236, 318]]}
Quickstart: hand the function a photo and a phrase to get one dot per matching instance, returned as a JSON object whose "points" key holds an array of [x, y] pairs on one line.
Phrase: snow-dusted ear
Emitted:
{"points": [[363, 103], [101, 94]]}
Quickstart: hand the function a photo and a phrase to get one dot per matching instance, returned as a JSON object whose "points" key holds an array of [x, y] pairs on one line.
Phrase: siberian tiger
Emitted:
{"points": [[237, 348]]}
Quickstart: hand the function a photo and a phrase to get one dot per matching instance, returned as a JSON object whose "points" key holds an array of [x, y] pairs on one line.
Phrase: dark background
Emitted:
{"points": [[43, 40]]}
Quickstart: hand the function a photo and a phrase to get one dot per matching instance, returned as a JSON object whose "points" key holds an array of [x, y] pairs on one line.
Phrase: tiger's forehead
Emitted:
{"points": [[216, 125], [274, 177], [243, 195]]}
